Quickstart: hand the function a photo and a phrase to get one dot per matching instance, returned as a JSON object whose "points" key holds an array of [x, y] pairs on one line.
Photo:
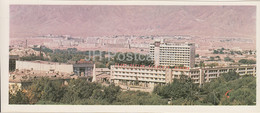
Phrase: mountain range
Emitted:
{"points": [[109, 20]]}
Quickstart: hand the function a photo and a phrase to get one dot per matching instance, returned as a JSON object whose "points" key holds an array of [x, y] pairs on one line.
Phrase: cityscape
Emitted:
{"points": [[132, 55]]}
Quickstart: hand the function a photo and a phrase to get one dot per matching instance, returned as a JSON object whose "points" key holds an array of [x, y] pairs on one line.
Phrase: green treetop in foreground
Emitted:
{"points": [[180, 92]]}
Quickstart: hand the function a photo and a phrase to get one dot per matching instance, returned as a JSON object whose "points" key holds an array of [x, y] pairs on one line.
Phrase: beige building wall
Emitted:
{"points": [[213, 73], [146, 76], [57, 67], [128, 75], [151, 76]]}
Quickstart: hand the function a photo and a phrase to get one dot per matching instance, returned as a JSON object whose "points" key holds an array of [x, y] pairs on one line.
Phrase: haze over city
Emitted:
{"points": [[85, 21]]}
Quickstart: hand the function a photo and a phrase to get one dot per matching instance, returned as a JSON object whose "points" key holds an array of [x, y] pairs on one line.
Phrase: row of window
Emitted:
{"points": [[173, 55], [195, 80], [135, 73], [173, 64], [133, 69], [195, 72], [213, 75], [250, 72], [250, 68], [175, 52], [159, 72], [174, 48], [137, 69], [138, 78], [197, 76], [175, 61], [212, 71], [174, 58], [223, 70]]}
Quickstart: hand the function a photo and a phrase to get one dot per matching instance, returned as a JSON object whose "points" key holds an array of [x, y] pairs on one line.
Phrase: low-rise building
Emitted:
{"points": [[39, 65], [80, 68], [12, 62], [83, 68], [150, 76]]}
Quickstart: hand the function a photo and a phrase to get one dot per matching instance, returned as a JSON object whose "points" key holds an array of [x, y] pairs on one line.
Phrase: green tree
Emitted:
{"points": [[228, 59], [111, 92], [215, 52], [213, 65], [202, 64], [246, 61], [197, 55], [18, 98], [139, 98], [212, 59], [241, 91], [232, 52], [53, 91], [182, 88], [231, 75], [79, 89]]}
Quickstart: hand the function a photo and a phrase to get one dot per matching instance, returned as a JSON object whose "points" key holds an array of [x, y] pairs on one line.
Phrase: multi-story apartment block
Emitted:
{"points": [[151, 76], [173, 54]]}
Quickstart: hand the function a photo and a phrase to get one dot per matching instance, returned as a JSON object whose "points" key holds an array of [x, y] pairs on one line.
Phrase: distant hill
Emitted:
{"points": [[234, 21]]}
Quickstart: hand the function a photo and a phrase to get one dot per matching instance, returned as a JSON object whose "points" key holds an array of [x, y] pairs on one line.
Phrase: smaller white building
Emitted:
{"points": [[44, 66]]}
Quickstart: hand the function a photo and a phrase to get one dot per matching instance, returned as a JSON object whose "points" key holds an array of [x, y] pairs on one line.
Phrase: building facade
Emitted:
{"points": [[12, 62], [83, 68], [151, 76], [173, 54], [44, 66], [80, 68]]}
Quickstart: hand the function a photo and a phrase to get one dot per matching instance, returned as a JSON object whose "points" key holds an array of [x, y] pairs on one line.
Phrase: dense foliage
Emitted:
{"points": [[180, 92], [184, 92], [247, 61], [242, 90], [101, 58], [80, 91], [228, 59], [43, 49], [218, 51]]}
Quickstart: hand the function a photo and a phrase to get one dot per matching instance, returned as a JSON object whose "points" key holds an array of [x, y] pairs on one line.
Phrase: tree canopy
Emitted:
{"points": [[183, 91], [247, 61]]}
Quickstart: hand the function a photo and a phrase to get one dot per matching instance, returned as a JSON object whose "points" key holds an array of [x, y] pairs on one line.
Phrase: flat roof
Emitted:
{"points": [[46, 62]]}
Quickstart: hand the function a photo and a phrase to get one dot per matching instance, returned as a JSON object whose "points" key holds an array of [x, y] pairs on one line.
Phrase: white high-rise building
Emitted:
{"points": [[173, 54]]}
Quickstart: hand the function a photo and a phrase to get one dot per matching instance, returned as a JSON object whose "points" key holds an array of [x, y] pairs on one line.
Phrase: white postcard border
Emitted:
{"points": [[4, 26]]}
